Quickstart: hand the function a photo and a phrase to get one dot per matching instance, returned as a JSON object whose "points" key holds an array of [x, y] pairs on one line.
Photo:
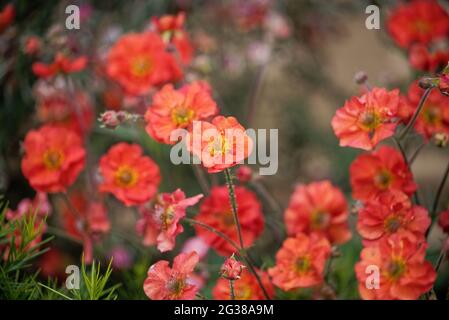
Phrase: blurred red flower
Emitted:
{"points": [[391, 212], [58, 108], [89, 224], [129, 175], [443, 221], [159, 223], [365, 121], [419, 21], [7, 16], [54, 157], [318, 207], [61, 64], [421, 58], [32, 45], [39, 206], [434, 116], [139, 61], [219, 144], [173, 109], [165, 283], [300, 262], [404, 274], [216, 212], [380, 170], [245, 288]]}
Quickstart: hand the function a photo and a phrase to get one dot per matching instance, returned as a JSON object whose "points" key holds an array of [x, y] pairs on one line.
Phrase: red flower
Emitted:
{"points": [[174, 109], [129, 175], [365, 121], [443, 221], [420, 21], [404, 273], [380, 170], [39, 206], [160, 223], [32, 45], [139, 61], [171, 23], [215, 211], [391, 212], [54, 157], [89, 224], [61, 64], [300, 262], [6, 16], [58, 108], [245, 288], [232, 269], [220, 144], [422, 59], [318, 207], [434, 116], [165, 283]]}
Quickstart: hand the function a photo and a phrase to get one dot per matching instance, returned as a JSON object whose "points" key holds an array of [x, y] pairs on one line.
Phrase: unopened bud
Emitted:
{"points": [[428, 82], [361, 77], [231, 269], [244, 174], [111, 119], [443, 84]]}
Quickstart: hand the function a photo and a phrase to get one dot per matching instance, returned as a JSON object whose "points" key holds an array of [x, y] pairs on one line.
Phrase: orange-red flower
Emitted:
{"points": [[300, 262], [6, 16], [89, 224], [404, 274], [380, 170], [420, 21], [165, 283], [365, 121], [219, 144], [216, 212], [139, 61], [318, 207], [54, 157], [245, 288], [177, 109], [389, 213], [421, 58], [434, 116], [129, 175], [159, 223], [60, 64]]}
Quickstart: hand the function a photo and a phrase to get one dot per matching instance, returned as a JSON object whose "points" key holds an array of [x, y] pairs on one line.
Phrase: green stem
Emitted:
{"points": [[439, 192], [231, 290], [422, 101], [233, 201], [404, 155]]}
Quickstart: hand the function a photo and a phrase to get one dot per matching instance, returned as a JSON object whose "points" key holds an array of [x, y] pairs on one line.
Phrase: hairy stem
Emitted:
{"points": [[233, 201], [231, 290], [404, 132], [439, 192]]}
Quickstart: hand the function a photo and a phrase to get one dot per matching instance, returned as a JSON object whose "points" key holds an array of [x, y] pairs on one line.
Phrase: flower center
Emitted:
{"points": [[182, 116], [369, 120], [167, 217], [392, 223], [422, 26], [432, 115], [176, 286], [383, 179], [396, 269], [218, 146], [53, 159], [319, 220], [141, 66], [302, 264], [228, 219], [126, 177]]}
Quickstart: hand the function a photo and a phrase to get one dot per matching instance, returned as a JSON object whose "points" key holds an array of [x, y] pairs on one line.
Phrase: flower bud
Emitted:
{"points": [[443, 84], [231, 269], [428, 82], [244, 174], [443, 221], [360, 77], [111, 119]]}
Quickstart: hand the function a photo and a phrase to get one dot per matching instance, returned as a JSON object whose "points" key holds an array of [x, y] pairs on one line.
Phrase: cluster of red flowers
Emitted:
{"points": [[421, 26]]}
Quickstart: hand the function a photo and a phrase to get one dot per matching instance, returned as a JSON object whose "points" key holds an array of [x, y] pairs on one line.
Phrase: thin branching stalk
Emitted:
{"points": [[411, 123], [440, 189], [231, 290], [404, 155], [233, 201]]}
